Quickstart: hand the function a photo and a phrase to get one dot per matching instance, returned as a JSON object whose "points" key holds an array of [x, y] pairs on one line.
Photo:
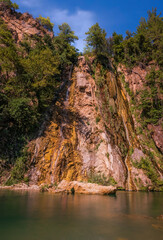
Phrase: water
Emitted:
{"points": [[44, 216]]}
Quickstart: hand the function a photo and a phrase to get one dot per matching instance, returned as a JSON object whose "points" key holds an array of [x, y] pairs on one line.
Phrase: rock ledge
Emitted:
{"points": [[66, 187], [84, 188]]}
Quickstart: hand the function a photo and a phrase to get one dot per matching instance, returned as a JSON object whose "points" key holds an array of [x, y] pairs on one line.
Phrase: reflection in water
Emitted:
{"points": [[38, 216]]}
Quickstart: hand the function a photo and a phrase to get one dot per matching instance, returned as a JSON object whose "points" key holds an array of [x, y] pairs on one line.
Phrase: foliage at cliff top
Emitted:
{"points": [[66, 33], [139, 48], [45, 22], [97, 43], [96, 39], [142, 46], [9, 3], [63, 43]]}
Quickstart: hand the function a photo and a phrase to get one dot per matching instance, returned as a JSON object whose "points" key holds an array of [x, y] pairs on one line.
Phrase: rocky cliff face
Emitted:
{"points": [[136, 80], [92, 135], [21, 25]]}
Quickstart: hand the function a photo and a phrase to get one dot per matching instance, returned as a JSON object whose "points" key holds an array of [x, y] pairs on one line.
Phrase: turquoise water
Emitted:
{"points": [[44, 216]]}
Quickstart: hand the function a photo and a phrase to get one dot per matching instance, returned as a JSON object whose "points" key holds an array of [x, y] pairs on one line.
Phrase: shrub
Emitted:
{"points": [[107, 155], [18, 171], [101, 179], [96, 108], [147, 166], [98, 119], [44, 188]]}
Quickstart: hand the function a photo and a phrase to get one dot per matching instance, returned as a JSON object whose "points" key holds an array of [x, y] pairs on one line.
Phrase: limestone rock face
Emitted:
{"points": [[97, 153], [91, 136], [135, 77], [136, 81], [21, 25]]}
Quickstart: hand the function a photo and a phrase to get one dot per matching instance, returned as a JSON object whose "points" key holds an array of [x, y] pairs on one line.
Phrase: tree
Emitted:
{"points": [[45, 22], [96, 39], [22, 113], [141, 47], [42, 70], [63, 43], [30, 73], [8, 54], [117, 47], [128, 34], [66, 33]]}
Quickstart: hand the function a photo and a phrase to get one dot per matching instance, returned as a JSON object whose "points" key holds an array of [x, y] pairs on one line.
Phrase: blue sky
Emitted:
{"points": [[112, 15]]}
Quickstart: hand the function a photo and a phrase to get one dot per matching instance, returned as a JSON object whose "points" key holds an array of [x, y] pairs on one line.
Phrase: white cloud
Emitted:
{"points": [[80, 22]]}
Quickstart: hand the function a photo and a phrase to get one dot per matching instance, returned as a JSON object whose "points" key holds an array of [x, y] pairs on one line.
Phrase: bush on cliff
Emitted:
{"points": [[45, 22]]}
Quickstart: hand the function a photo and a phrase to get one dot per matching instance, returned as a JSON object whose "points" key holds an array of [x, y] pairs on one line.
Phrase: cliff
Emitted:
{"points": [[22, 26], [92, 136], [91, 129]]}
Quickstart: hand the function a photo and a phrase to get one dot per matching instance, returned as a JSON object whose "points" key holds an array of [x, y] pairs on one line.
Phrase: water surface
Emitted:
{"points": [[44, 216]]}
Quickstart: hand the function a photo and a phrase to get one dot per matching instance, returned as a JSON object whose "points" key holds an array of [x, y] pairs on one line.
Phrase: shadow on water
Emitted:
{"points": [[130, 215]]}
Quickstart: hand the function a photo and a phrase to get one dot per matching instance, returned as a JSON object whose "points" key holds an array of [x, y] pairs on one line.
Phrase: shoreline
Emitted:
{"points": [[70, 188], [66, 187]]}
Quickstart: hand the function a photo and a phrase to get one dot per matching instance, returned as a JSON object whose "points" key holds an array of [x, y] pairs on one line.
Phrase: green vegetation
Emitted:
{"points": [[98, 145], [96, 108], [45, 22], [44, 188], [67, 53], [33, 70], [131, 150], [30, 73], [72, 190], [98, 119], [96, 39], [101, 179], [150, 102], [96, 43], [140, 47], [147, 166], [19, 169], [10, 4], [107, 155], [144, 45], [143, 48]]}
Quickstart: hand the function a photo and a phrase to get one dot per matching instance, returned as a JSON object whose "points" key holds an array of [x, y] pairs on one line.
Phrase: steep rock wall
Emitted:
{"points": [[91, 133], [21, 25], [136, 80]]}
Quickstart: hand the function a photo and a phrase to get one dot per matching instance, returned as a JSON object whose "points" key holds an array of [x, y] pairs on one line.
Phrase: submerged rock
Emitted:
{"points": [[84, 188]]}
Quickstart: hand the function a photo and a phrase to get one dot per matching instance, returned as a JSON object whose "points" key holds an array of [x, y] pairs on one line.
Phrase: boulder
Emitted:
{"points": [[84, 188]]}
